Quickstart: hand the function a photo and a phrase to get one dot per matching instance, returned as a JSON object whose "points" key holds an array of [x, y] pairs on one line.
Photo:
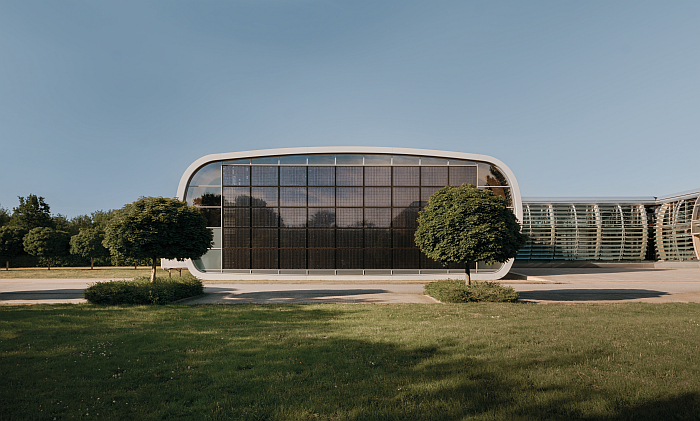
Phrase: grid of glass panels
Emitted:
{"points": [[571, 231], [340, 211]]}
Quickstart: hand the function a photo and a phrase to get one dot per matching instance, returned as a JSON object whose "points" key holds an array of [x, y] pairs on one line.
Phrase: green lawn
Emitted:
{"points": [[351, 362], [106, 272]]}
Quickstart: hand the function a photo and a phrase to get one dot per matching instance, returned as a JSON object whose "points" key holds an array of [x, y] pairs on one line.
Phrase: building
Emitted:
{"points": [[350, 212]]}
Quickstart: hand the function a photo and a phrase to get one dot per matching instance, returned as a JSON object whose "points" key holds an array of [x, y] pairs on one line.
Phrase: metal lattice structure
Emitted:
{"points": [[678, 229]]}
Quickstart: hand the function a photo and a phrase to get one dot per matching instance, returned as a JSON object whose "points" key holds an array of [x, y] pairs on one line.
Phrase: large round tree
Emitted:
{"points": [[47, 243], [88, 244], [465, 224], [156, 227]]}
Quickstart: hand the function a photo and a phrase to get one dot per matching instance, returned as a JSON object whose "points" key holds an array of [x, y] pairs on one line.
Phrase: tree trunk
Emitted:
{"points": [[92, 263], [153, 270], [467, 276], [7, 265]]}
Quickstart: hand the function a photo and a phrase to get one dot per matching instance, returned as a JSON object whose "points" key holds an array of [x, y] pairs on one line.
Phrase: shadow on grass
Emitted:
{"points": [[257, 362], [609, 294]]}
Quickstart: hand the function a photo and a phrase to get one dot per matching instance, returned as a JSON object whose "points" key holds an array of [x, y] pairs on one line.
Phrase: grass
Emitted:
{"points": [[106, 272], [482, 361]]}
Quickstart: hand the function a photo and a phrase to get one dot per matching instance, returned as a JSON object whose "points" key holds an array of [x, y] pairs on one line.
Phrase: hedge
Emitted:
{"points": [[457, 291], [142, 291]]}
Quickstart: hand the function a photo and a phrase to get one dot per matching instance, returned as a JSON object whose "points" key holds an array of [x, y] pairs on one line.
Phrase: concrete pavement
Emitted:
{"points": [[539, 285]]}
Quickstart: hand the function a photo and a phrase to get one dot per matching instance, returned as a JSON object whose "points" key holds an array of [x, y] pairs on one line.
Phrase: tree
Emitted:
{"points": [[157, 227], [11, 243], [47, 243], [88, 243], [465, 224], [31, 213], [4, 217]]}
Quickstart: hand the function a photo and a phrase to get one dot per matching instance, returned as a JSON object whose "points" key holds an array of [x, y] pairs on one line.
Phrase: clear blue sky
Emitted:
{"points": [[105, 101]]}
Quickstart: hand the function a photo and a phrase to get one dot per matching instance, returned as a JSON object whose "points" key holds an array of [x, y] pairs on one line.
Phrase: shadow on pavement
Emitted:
{"points": [[229, 295], [47, 294], [618, 294]]}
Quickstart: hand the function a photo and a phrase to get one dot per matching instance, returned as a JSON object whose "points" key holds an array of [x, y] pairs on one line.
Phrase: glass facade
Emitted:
{"points": [[319, 212]]}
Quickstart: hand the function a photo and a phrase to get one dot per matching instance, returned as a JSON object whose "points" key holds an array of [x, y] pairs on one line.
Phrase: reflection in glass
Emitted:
{"points": [[271, 160], [293, 238], [203, 196], [324, 217], [349, 196], [377, 196], [321, 159], [212, 215], [236, 175], [406, 196], [433, 176], [264, 237], [236, 217], [406, 176], [292, 217], [264, 176], [236, 196], [264, 196], [461, 162], [242, 161], [321, 196], [490, 175], [377, 159], [292, 196], [425, 193], [504, 192], [348, 176], [292, 176], [208, 175], [236, 237], [264, 217], [405, 218], [462, 175], [378, 217], [425, 160], [343, 159], [217, 238], [377, 176], [321, 176], [348, 217], [293, 160], [405, 160]]}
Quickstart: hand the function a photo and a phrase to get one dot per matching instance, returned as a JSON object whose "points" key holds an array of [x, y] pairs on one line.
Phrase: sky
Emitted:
{"points": [[102, 102]]}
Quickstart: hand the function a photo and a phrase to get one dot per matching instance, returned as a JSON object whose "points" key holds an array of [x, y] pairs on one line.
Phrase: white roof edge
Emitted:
{"points": [[642, 200], [678, 196]]}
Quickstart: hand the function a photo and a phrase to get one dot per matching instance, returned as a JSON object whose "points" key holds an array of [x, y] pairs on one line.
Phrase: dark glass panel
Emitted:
{"points": [[292, 196], [377, 259], [293, 160], [321, 238], [433, 176], [321, 176], [293, 238], [348, 176], [377, 159], [377, 217], [236, 237], [203, 196], [425, 193], [208, 175], [349, 258], [265, 196], [343, 159], [321, 258], [293, 258], [264, 176], [405, 160], [406, 176], [405, 218], [242, 161], [264, 217], [349, 238], [236, 196], [428, 263], [377, 196], [406, 259], [348, 217], [236, 175], [292, 217], [264, 258], [461, 162], [377, 238], [321, 196], [236, 217], [270, 160], [321, 159], [212, 215], [504, 192], [292, 176], [490, 175], [426, 160], [461, 175], [236, 258], [321, 217], [404, 238], [377, 176], [264, 237], [406, 196], [349, 196]]}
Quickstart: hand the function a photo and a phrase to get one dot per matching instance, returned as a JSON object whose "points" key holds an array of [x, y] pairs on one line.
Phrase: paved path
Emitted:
{"points": [[542, 285]]}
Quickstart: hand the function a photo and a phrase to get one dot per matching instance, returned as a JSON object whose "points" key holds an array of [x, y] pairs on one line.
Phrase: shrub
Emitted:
{"points": [[143, 291], [456, 291]]}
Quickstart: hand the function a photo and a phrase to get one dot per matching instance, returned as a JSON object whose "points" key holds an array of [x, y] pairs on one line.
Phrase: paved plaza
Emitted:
{"points": [[537, 285]]}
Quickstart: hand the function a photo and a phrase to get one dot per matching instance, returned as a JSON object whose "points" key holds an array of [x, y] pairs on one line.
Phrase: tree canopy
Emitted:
{"points": [[31, 213], [157, 227], [47, 243], [465, 224], [11, 242], [88, 243]]}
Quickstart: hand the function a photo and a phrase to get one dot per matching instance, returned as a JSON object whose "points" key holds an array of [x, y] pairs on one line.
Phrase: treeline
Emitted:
{"points": [[31, 236]]}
